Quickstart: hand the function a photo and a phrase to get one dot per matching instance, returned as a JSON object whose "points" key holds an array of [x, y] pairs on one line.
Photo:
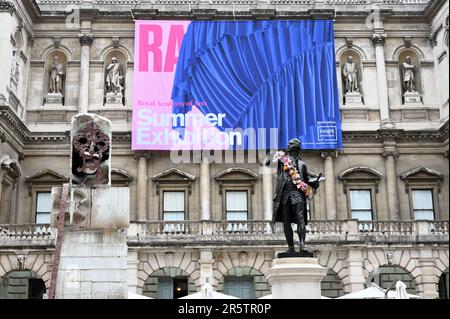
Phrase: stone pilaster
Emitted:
{"points": [[267, 192], [7, 9], [390, 154], [206, 267], [428, 287], [142, 183], [205, 189], [355, 270], [132, 271], [330, 191], [378, 39], [86, 40]]}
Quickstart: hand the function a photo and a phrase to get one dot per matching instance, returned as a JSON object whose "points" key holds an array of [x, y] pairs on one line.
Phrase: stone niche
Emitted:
{"points": [[354, 98], [54, 99], [112, 99], [409, 98]]}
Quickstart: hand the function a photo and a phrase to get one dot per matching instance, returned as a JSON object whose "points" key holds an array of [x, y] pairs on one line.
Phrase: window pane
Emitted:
{"points": [[362, 214], [174, 201], [360, 199], [44, 202], [43, 218], [173, 216], [424, 214], [236, 215], [422, 199], [237, 201]]}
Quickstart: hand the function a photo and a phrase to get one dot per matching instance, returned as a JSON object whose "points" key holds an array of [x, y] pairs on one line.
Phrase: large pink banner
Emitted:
{"points": [[157, 46]]}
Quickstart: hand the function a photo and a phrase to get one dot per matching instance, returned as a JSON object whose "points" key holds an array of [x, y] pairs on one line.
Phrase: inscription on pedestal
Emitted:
{"points": [[114, 99], [412, 98], [54, 99], [353, 98]]}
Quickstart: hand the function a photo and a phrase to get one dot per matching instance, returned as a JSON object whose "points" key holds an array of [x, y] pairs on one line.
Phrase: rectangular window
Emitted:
{"points": [[236, 205], [422, 202], [173, 211], [43, 208], [361, 204]]}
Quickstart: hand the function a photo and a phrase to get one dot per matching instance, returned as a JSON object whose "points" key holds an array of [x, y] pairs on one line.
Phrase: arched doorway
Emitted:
{"points": [[244, 282], [22, 284], [168, 283], [331, 285], [443, 285], [386, 277]]}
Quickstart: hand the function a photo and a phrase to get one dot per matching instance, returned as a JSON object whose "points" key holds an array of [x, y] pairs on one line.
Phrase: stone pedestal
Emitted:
{"points": [[296, 278], [93, 263], [412, 99], [54, 99], [114, 99], [353, 99]]}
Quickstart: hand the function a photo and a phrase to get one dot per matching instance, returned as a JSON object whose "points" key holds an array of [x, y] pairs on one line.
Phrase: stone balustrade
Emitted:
{"points": [[247, 231]]}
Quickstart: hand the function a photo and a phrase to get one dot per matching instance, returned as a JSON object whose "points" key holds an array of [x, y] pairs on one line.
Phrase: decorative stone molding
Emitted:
{"points": [[263, 13], [237, 175], [56, 41], [390, 152], [174, 176], [360, 175], [86, 38], [433, 40], [407, 40], [349, 42], [46, 178], [378, 39], [203, 14], [6, 5], [422, 176], [120, 178], [115, 41], [325, 154], [30, 39]]}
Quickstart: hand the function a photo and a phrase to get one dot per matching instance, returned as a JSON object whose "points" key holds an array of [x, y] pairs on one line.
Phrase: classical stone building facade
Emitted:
{"points": [[381, 214]]}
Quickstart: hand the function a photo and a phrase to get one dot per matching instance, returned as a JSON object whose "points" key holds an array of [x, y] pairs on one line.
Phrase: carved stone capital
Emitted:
{"points": [[433, 40], [145, 154], [391, 152], [2, 137], [86, 38], [329, 153], [378, 39], [6, 5]]}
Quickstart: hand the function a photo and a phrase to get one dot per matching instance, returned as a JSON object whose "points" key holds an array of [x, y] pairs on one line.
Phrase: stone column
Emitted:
{"points": [[390, 154], [142, 182], [86, 42], [7, 9], [267, 192], [330, 192], [205, 189], [355, 270], [378, 40]]}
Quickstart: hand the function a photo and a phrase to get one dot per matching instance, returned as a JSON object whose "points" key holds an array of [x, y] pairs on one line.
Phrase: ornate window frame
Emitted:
{"points": [[40, 182], [174, 180], [237, 179], [361, 178], [426, 179]]}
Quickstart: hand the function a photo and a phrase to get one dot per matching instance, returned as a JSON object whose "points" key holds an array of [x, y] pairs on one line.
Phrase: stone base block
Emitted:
{"points": [[412, 98], [296, 278], [353, 99], [53, 99], [114, 99]]}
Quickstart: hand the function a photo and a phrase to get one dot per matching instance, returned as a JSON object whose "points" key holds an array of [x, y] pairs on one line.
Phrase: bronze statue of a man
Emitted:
{"points": [[293, 187]]}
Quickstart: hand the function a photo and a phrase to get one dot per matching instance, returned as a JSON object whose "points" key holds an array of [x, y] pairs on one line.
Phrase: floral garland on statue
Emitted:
{"points": [[293, 173]]}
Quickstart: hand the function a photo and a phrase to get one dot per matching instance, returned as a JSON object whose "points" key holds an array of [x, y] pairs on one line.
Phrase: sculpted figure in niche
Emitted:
{"points": [[350, 72], [56, 76], [409, 70], [114, 77]]}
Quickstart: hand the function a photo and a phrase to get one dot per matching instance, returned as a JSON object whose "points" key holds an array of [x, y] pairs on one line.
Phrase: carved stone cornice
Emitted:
{"points": [[203, 14], [260, 14], [86, 38], [88, 14], [6, 5], [378, 39], [142, 154]]}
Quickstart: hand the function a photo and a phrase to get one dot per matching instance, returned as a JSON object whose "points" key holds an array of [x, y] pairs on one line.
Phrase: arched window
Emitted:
{"points": [[169, 283]]}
